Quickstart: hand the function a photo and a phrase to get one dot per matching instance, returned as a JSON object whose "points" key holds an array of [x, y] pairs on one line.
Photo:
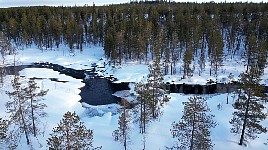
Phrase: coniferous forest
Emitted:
{"points": [[161, 35], [188, 31]]}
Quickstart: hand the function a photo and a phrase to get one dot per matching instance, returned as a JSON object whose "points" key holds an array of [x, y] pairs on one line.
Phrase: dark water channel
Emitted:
{"points": [[98, 90], [209, 88]]}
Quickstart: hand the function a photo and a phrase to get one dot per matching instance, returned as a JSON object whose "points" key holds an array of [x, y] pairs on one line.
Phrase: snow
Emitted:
{"points": [[77, 59], [132, 73], [63, 97]]}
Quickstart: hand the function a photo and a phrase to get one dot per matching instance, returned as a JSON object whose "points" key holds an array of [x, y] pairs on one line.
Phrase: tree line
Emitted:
{"points": [[181, 31]]}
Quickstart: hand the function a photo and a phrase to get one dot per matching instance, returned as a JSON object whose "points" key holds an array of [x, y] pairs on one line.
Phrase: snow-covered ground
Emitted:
{"points": [[63, 97]]}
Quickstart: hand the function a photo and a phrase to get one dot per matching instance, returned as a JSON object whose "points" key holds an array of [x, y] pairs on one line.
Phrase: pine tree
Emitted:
{"points": [[71, 134], [36, 105], [142, 110], [57, 31], [151, 95], [13, 30], [187, 60], [70, 32], [3, 129], [7, 139], [174, 56], [25, 27], [156, 91], [4, 48], [122, 133], [251, 50], [26, 107], [249, 107], [216, 51], [193, 131], [17, 109]]}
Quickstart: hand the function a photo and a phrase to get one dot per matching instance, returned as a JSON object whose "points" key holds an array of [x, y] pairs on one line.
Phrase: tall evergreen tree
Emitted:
{"points": [[249, 108], [193, 130], [13, 30], [187, 60], [157, 96], [174, 55], [26, 107], [36, 106], [122, 133], [216, 51], [17, 109], [5, 49], [251, 51], [25, 29], [142, 109], [151, 95]]}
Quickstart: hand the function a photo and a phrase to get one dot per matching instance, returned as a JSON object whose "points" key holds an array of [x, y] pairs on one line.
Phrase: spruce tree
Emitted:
{"points": [[193, 130], [71, 134]]}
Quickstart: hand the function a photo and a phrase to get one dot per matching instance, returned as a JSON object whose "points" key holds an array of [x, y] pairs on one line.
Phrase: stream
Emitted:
{"points": [[99, 90]]}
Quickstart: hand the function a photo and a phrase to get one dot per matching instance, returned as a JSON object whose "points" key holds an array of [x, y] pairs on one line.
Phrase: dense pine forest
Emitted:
{"points": [[174, 31], [170, 38]]}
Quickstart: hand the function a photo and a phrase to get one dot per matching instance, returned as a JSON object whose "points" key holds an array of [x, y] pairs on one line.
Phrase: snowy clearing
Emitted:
{"points": [[63, 97]]}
